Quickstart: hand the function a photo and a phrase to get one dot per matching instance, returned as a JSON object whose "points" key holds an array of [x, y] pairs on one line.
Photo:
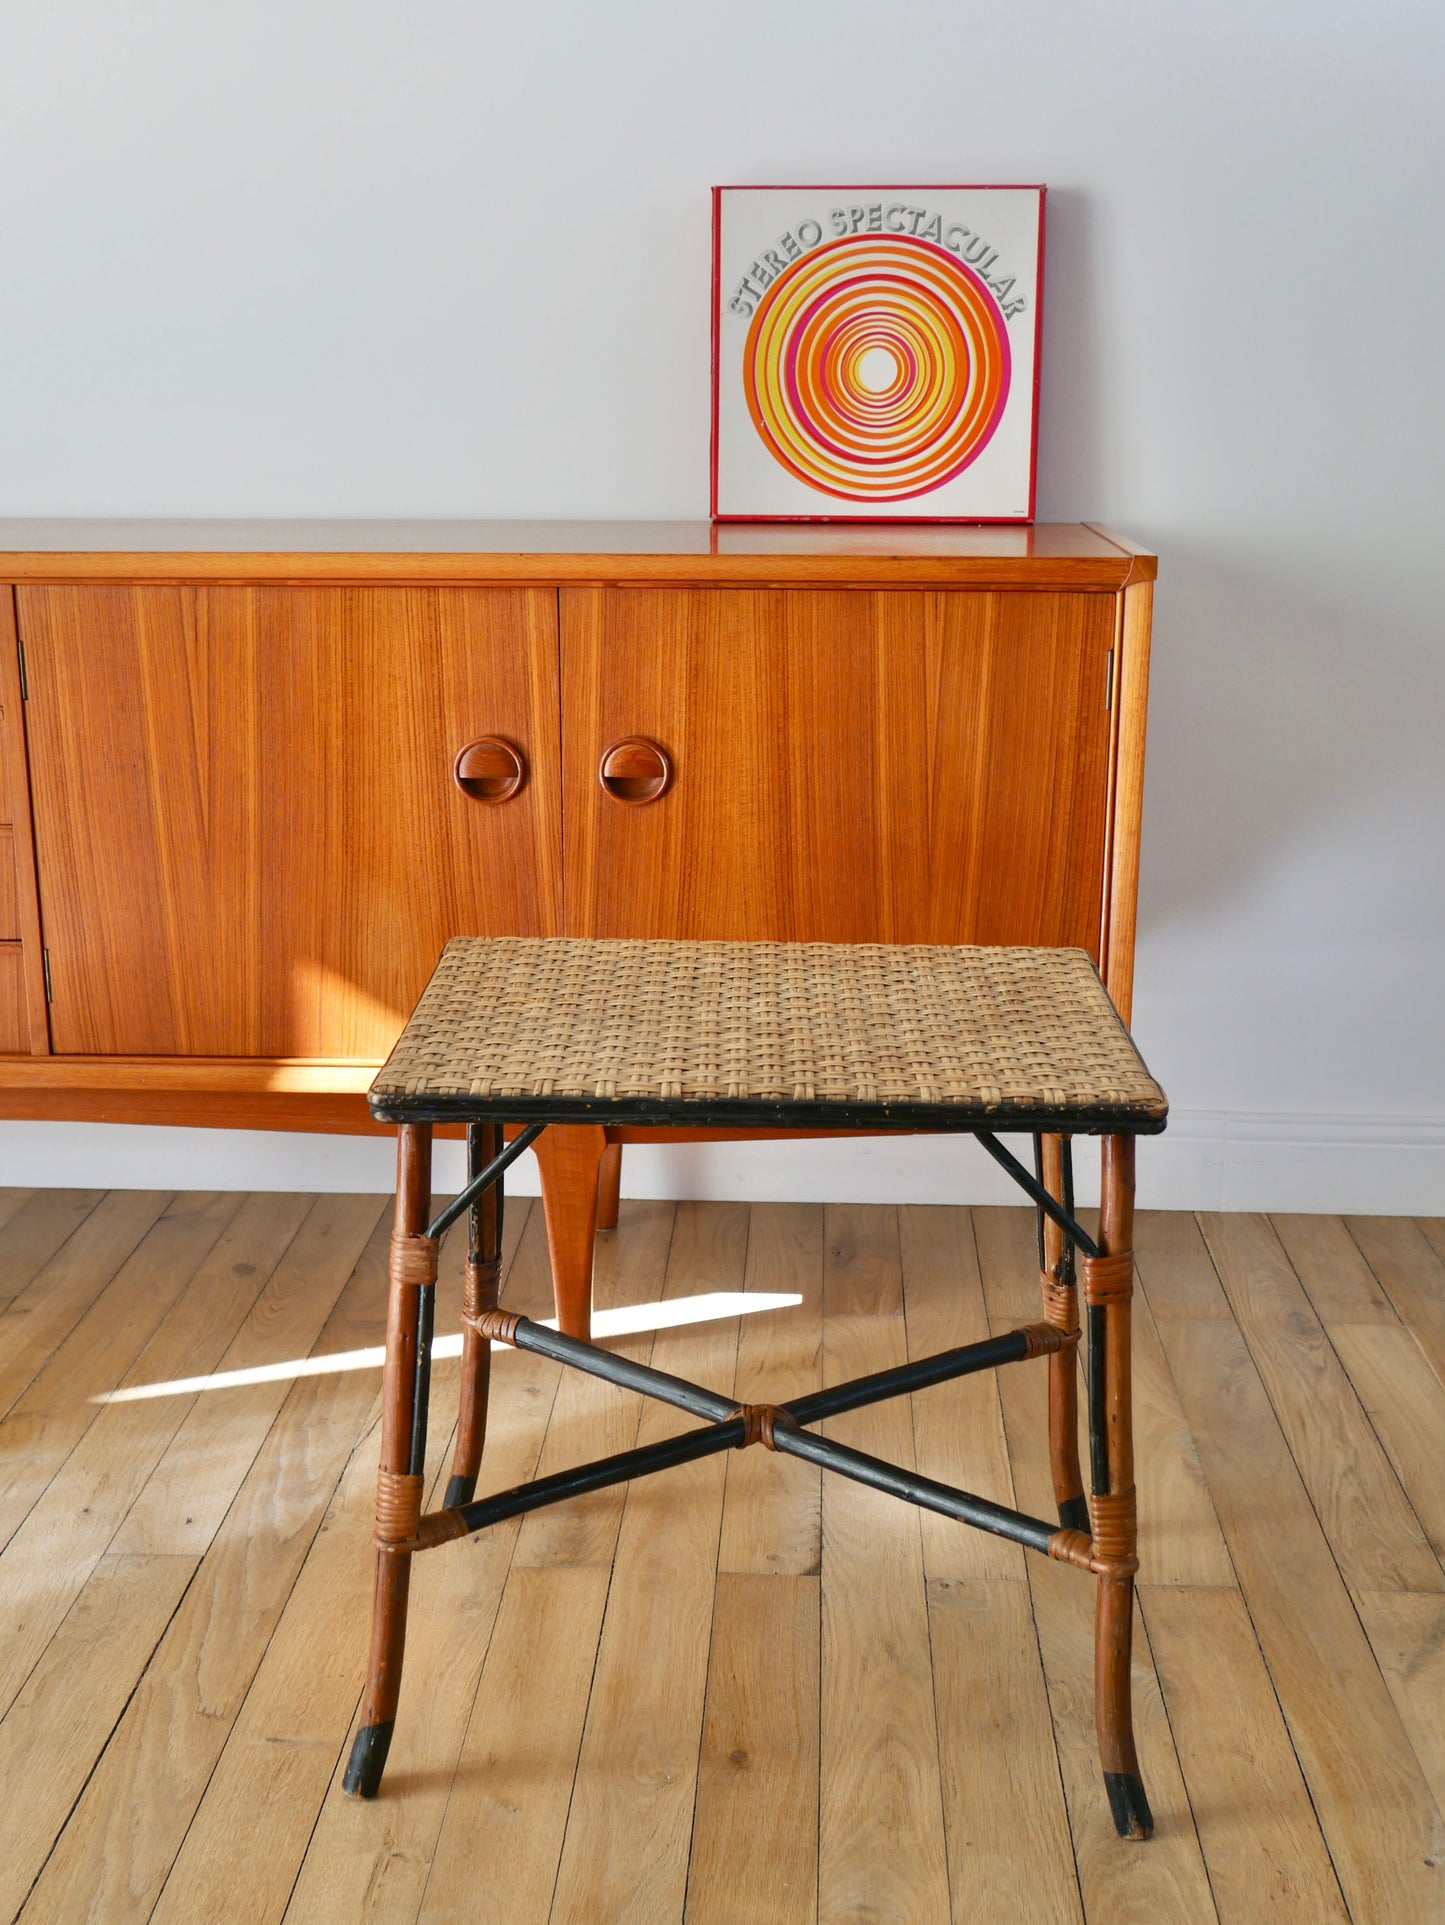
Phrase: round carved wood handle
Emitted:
{"points": [[634, 770], [489, 769]]}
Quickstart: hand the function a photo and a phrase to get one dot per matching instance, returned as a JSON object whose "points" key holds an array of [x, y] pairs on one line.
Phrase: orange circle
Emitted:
{"points": [[805, 348]]}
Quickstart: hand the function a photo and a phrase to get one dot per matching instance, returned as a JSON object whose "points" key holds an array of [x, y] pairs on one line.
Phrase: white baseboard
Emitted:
{"points": [[1207, 1160]]}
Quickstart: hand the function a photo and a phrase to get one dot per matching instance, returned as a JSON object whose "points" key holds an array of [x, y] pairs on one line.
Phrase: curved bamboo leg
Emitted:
{"points": [[404, 1387], [1108, 1289], [569, 1155], [1061, 1309], [609, 1187], [480, 1292]]}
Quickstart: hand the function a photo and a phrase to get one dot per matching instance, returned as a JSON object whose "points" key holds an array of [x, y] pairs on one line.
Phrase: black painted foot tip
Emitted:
{"points": [[1074, 1515], [461, 1490], [368, 1760], [1132, 1816]]}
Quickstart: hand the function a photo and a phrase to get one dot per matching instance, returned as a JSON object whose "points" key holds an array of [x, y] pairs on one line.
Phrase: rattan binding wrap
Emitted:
{"points": [[1061, 1303], [759, 1421], [1114, 1524], [412, 1260], [1111, 1550], [398, 1507], [981, 1030], [1108, 1279]]}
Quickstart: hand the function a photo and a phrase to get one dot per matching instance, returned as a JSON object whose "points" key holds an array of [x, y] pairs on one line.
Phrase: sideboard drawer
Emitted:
{"points": [[843, 765], [250, 837]]}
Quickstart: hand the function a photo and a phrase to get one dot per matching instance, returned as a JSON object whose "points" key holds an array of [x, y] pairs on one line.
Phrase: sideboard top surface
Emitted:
{"points": [[1043, 555]]}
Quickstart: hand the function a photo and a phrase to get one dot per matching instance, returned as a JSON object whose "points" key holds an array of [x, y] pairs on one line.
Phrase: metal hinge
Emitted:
{"points": [[24, 683], [45, 965], [1109, 680]]}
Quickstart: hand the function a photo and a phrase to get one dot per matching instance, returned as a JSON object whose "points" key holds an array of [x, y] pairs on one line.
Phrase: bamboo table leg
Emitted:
{"points": [[480, 1294], [404, 1387], [1108, 1290]]}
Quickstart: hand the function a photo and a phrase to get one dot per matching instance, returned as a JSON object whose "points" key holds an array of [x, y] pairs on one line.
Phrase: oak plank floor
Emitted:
{"points": [[740, 1690]]}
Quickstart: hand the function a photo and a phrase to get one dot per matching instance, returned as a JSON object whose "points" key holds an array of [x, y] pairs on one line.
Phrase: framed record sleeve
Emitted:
{"points": [[875, 353]]}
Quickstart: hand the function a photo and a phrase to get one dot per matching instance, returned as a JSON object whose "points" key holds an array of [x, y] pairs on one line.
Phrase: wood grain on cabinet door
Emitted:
{"points": [[249, 839], [23, 1025], [848, 766]]}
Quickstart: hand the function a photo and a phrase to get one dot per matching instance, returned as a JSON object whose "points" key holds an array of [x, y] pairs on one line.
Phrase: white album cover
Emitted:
{"points": [[875, 352]]}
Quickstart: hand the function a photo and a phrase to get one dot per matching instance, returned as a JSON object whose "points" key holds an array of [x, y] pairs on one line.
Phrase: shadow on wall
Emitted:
{"points": [[1072, 428], [1286, 719], [1297, 689]]}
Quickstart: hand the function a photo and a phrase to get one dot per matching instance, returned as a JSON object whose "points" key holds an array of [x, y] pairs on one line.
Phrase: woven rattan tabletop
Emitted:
{"points": [[803, 1034]]}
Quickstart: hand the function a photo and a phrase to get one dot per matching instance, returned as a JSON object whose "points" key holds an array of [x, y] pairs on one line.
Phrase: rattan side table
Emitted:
{"points": [[871, 1037]]}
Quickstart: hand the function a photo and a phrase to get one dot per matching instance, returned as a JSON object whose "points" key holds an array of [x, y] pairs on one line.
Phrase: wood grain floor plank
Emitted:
{"points": [[282, 1748], [876, 1723], [371, 1860], [772, 1508], [71, 1701], [286, 1745], [1401, 1395], [1008, 1269], [625, 1850], [1180, 1541], [527, 1283], [881, 1851], [593, 1419], [1261, 1841], [1371, 1527], [89, 1245], [1405, 1401], [1407, 1635], [115, 1853], [90, 1492], [46, 1423], [1001, 1783], [756, 1829], [191, 1488], [1170, 1252], [1328, 1262], [76, 1518], [12, 1201], [957, 1427], [37, 1224], [513, 1782], [1412, 1274], [1119, 1879], [1372, 1801]]}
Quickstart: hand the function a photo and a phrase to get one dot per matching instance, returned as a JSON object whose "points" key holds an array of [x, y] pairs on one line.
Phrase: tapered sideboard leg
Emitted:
{"points": [[609, 1187], [404, 1387], [570, 1156]]}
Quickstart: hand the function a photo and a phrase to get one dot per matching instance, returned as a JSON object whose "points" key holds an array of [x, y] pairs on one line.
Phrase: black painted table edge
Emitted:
{"points": [[731, 1113]]}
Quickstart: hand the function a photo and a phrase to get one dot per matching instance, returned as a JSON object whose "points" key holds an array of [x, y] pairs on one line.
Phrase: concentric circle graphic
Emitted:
{"points": [[876, 367]]}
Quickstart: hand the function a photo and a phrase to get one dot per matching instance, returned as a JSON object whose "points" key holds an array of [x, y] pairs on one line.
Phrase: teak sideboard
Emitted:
{"points": [[256, 774]]}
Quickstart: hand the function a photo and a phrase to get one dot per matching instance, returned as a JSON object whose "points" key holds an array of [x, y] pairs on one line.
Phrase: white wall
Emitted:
{"points": [[363, 259]]}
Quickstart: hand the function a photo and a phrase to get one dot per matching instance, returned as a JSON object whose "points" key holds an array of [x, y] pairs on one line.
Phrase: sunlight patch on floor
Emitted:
{"points": [[709, 1307]]}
